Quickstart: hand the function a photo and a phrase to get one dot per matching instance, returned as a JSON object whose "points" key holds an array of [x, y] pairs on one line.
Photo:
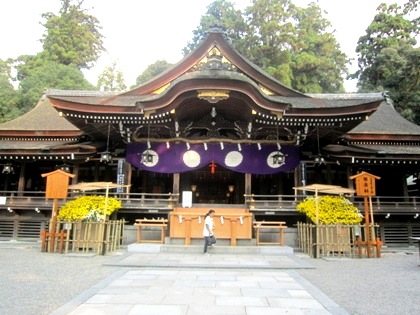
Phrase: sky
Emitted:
{"points": [[140, 32]]}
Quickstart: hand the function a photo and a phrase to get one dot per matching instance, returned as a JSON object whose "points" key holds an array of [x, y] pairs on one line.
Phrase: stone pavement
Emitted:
{"points": [[193, 283]]}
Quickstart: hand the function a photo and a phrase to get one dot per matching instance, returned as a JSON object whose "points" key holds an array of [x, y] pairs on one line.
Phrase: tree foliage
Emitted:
{"points": [[111, 79], [71, 42], [388, 58], [73, 36], [8, 96], [51, 75], [152, 71], [221, 14], [289, 42], [318, 64]]}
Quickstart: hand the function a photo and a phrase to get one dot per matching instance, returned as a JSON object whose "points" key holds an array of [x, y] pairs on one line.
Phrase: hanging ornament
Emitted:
{"points": [[212, 167]]}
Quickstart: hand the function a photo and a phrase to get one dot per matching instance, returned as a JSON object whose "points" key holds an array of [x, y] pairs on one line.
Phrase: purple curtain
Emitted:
{"points": [[181, 157]]}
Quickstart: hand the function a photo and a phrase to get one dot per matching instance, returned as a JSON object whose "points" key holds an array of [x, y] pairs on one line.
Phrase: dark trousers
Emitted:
{"points": [[206, 243]]}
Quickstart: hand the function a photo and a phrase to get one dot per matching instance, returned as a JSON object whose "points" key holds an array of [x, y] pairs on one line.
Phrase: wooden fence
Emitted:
{"points": [[334, 240], [88, 237]]}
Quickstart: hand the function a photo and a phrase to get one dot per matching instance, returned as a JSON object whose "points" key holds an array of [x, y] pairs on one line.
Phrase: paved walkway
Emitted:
{"points": [[193, 283]]}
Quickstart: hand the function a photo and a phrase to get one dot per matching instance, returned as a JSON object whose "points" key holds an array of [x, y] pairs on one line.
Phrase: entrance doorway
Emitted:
{"points": [[214, 185]]}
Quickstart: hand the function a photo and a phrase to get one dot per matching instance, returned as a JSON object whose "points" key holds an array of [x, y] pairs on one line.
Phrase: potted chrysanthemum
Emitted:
{"points": [[89, 209], [336, 223], [84, 218]]}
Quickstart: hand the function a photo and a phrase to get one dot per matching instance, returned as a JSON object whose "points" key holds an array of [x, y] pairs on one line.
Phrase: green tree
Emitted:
{"points": [[222, 15], [50, 75], [73, 36], [318, 65], [111, 79], [272, 32], [152, 71], [8, 94], [290, 43], [388, 59], [8, 100], [398, 73]]}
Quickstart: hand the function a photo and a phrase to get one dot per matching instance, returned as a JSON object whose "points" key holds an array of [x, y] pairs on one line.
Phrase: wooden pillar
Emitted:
{"points": [[53, 224], [175, 186], [187, 231], [367, 228], [328, 175], [96, 172], [162, 234], [128, 176], [350, 182], [233, 231], [281, 235], [75, 172], [21, 183], [248, 184], [139, 233]]}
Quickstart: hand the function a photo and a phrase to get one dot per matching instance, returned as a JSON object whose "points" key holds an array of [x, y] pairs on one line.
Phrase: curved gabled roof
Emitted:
{"points": [[215, 40], [214, 79], [212, 67]]}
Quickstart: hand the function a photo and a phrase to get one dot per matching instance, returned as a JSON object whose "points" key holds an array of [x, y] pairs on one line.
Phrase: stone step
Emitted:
{"points": [[200, 241], [148, 248]]}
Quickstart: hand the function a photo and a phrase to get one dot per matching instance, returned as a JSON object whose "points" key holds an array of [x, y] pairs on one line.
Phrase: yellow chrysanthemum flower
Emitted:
{"points": [[331, 210], [88, 208]]}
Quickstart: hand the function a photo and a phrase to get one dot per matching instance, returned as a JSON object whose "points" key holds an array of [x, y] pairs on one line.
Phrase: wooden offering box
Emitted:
{"points": [[230, 223]]}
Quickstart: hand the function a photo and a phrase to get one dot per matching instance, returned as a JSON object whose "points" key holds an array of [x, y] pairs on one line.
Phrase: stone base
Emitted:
{"points": [[159, 248]]}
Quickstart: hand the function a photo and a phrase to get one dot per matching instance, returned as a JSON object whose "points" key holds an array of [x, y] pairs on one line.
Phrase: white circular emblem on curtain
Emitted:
{"points": [[191, 158], [270, 160], [154, 158], [233, 158]]}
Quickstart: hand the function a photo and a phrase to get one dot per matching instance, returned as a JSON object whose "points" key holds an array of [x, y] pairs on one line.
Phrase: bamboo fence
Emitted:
{"points": [[92, 237], [331, 240]]}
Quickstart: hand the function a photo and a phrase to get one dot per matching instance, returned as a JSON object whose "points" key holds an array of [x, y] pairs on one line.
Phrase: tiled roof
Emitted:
{"points": [[393, 149], [386, 120], [122, 99], [43, 145], [43, 117]]}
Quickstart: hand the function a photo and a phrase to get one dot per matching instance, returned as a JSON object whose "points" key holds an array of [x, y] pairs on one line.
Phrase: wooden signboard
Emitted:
{"points": [[57, 184], [57, 188], [365, 184]]}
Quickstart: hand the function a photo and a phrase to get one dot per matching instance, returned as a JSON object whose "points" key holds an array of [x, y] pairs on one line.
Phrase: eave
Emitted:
{"points": [[43, 134]]}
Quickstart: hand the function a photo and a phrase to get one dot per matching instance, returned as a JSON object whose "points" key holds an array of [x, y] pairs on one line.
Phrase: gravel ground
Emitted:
{"points": [[36, 283], [388, 285]]}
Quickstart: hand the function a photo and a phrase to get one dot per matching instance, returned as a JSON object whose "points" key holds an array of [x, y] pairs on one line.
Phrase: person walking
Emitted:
{"points": [[208, 230]]}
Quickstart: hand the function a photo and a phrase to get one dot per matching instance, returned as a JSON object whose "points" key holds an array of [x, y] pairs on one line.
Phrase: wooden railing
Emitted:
{"points": [[287, 203], [36, 201]]}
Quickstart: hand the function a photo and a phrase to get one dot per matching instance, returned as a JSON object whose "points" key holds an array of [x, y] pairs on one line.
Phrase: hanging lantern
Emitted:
{"points": [[146, 157], [106, 157], [279, 158]]}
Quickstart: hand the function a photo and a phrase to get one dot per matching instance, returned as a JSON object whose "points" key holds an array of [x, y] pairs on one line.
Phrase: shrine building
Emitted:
{"points": [[219, 131]]}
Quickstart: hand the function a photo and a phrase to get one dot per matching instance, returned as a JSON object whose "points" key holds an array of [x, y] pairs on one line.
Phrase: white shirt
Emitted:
{"points": [[208, 222]]}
